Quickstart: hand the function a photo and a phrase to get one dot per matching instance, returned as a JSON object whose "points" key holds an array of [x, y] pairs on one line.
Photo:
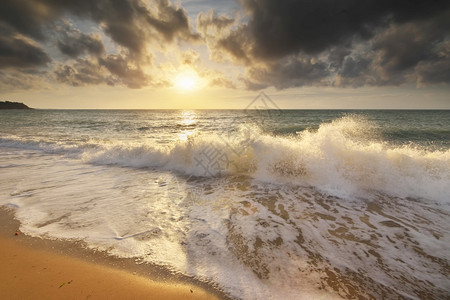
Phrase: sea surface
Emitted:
{"points": [[263, 204]]}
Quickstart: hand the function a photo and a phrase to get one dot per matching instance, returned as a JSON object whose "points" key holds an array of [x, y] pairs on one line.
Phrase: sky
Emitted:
{"points": [[193, 54]]}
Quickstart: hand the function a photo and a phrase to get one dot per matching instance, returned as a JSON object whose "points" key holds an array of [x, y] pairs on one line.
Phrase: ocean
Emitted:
{"points": [[262, 204]]}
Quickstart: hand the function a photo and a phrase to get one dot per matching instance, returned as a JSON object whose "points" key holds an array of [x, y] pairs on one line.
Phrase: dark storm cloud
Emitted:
{"points": [[353, 67], [280, 28], [290, 72], [433, 72], [19, 52], [356, 70], [294, 43], [416, 52], [402, 47], [26, 17]]}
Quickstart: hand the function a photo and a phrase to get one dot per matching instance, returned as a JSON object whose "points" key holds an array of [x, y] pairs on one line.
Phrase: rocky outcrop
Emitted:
{"points": [[12, 105]]}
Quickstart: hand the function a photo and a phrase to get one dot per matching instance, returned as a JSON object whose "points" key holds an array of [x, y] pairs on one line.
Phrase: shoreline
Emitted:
{"points": [[33, 266]]}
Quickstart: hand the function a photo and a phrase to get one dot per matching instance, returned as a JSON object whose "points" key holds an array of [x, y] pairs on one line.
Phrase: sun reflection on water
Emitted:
{"points": [[188, 119]]}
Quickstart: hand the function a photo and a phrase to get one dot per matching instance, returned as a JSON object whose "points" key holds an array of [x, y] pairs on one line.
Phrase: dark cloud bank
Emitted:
{"points": [[342, 43], [280, 43]]}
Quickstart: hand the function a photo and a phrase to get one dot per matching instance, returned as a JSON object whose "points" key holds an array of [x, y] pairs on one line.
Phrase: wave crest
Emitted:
{"points": [[344, 157]]}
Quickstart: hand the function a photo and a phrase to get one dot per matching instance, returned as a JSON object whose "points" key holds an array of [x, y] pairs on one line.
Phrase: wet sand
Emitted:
{"points": [[33, 268]]}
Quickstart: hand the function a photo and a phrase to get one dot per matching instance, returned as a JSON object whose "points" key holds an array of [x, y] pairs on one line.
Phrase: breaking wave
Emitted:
{"points": [[344, 158]]}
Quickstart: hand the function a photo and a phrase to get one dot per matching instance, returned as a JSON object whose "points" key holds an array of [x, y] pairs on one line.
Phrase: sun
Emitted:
{"points": [[187, 80]]}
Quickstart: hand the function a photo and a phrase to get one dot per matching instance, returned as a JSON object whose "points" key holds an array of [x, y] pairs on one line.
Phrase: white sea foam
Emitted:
{"points": [[151, 217], [340, 158]]}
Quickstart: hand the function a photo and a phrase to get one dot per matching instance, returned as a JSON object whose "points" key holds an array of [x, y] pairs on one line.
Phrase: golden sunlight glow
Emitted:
{"points": [[187, 80]]}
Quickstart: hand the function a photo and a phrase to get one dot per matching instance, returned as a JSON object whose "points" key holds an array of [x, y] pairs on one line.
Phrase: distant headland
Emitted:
{"points": [[13, 105]]}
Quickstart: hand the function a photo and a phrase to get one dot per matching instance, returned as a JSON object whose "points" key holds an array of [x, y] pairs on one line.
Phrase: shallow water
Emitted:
{"points": [[294, 204]]}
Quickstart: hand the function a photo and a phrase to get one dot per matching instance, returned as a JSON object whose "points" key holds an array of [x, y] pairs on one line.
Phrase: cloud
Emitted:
{"points": [[280, 28], [131, 76], [222, 82], [342, 43], [17, 51], [435, 70], [26, 17], [83, 72], [403, 53], [110, 70], [283, 44], [289, 72], [210, 23], [14, 80], [125, 21], [74, 43], [355, 71], [237, 45], [189, 57], [171, 21], [135, 27], [401, 48], [221, 40]]}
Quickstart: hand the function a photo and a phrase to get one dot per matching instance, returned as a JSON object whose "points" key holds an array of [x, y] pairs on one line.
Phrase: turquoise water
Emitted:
{"points": [[301, 204]]}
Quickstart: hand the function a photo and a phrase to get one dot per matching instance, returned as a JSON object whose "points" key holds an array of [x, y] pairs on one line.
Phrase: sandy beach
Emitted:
{"points": [[34, 268]]}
